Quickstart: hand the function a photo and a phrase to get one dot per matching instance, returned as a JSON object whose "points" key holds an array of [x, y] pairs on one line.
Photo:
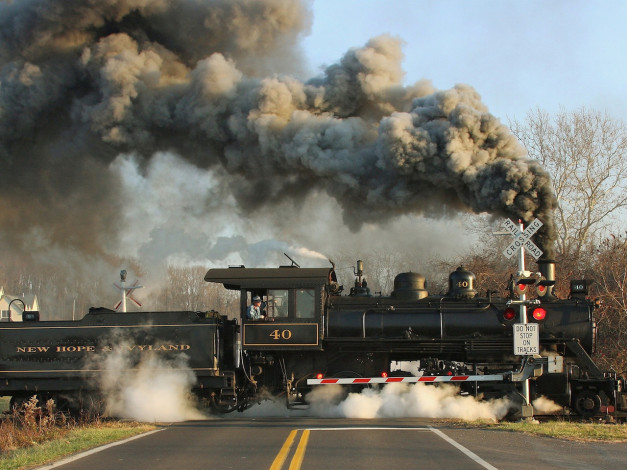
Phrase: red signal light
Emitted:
{"points": [[319, 376], [384, 374], [539, 314], [509, 314], [542, 289], [522, 283]]}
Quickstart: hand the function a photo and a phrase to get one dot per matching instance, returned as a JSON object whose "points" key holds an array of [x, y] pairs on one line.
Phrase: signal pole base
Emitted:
{"points": [[526, 411]]}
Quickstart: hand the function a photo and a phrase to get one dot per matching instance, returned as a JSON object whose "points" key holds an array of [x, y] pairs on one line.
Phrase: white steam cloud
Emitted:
{"points": [[389, 401], [149, 389], [543, 405], [405, 401], [156, 391]]}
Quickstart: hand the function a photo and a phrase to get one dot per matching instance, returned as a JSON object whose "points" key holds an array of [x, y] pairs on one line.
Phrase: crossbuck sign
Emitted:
{"points": [[522, 239]]}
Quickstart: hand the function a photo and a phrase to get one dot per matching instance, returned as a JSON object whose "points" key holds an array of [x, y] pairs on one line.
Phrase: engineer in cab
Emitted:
{"points": [[255, 310]]}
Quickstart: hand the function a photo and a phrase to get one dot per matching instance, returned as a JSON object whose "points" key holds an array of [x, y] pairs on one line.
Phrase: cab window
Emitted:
{"points": [[305, 303], [277, 303]]}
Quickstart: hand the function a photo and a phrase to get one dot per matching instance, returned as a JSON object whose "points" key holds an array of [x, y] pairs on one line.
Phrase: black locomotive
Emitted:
{"points": [[311, 334]]}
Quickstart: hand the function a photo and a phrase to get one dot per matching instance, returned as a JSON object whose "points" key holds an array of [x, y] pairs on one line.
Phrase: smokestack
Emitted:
{"points": [[546, 267]]}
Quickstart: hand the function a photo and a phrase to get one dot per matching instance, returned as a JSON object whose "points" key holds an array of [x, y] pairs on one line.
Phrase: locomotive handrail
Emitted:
{"points": [[523, 302], [441, 318], [484, 306]]}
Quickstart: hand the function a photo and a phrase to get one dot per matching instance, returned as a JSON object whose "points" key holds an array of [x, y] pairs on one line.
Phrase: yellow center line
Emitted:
{"points": [[280, 458], [297, 460]]}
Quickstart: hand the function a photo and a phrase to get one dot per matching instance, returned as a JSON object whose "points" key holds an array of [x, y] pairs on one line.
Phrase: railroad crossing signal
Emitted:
{"points": [[126, 292], [522, 239], [543, 285], [522, 282]]}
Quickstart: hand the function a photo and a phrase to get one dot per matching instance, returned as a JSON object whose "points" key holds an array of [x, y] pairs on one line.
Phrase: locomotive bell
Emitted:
{"points": [[409, 286], [461, 284]]}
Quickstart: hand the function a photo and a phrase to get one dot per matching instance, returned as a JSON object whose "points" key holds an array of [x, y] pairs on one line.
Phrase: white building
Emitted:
{"points": [[17, 307]]}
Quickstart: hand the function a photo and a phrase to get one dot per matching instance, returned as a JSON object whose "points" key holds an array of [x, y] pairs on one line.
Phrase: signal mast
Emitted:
{"points": [[127, 291]]}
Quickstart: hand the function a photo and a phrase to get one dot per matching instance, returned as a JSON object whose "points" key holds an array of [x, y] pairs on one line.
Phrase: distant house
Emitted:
{"points": [[17, 307]]}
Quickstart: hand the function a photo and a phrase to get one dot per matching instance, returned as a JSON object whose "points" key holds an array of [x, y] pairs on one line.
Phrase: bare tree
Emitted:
{"points": [[186, 289], [610, 274], [585, 152], [380, 268], [64, 292]]}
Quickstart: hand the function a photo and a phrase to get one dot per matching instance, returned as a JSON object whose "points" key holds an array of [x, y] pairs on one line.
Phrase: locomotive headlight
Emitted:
{"points": [[539, 314]]}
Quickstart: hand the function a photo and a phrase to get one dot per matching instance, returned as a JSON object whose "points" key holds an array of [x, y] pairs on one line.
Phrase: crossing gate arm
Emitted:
{"points": [[424, 379], [532, 366]]}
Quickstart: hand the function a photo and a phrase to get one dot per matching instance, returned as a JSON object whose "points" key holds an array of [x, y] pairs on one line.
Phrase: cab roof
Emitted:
{"points": [[236, 278]]}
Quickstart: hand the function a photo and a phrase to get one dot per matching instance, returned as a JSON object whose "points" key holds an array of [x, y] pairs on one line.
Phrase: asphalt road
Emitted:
{"points": [[279, 443]]}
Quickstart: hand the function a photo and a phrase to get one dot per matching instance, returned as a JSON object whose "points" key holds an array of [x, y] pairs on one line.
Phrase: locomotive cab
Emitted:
{"points": [[292, 302]]}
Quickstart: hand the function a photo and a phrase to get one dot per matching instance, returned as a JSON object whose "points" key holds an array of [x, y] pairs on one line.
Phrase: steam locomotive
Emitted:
{"points": [[312, 334]]}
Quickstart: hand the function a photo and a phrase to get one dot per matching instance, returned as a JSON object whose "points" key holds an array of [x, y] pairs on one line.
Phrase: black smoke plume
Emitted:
{"points": [[82, 82]]}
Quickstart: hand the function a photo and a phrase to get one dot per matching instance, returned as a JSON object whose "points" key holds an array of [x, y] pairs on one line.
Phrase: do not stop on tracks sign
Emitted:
{"points": [[526, 339]]}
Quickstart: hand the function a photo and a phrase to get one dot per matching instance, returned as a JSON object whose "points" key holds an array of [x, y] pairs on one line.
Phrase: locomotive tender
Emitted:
{"points": [[313, 334]]}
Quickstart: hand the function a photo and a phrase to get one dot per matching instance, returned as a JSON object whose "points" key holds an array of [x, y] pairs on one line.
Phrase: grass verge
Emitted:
{"points": [[79, 439], [591, 432], [558, 429], [34, 434]]}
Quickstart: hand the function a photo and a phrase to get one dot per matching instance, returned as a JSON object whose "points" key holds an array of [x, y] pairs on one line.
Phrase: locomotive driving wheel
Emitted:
{"points": [[587, 403]]}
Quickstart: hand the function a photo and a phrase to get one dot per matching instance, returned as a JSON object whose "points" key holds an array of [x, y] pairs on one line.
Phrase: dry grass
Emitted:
{"points": [[35, 435], [558, 428], [589, 432], [32, 424]]}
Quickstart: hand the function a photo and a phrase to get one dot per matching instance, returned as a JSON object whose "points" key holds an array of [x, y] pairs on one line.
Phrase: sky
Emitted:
{"points": [[517, 54]]}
